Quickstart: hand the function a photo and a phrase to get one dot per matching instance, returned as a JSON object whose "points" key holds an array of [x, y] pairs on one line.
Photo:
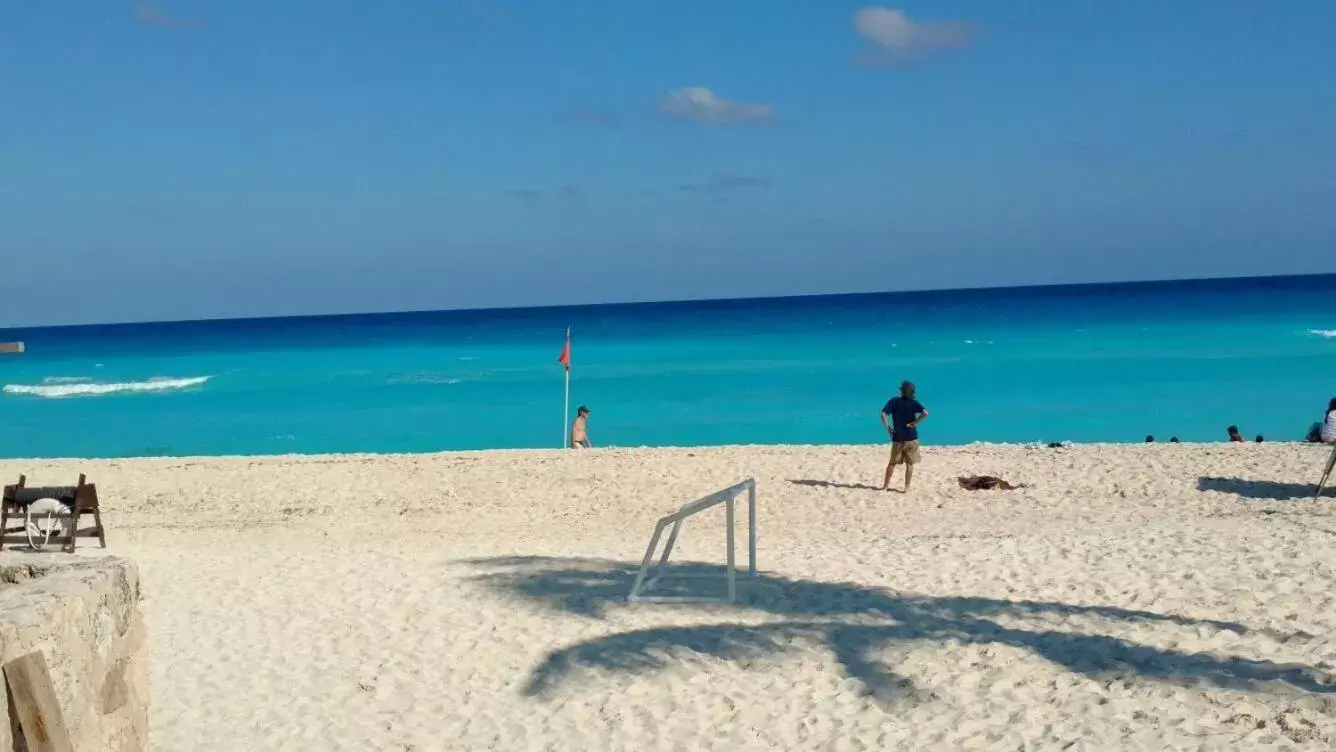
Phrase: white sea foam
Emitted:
{"points": [[1328, 333], [424, 378], [57, 390], [65, 380]]}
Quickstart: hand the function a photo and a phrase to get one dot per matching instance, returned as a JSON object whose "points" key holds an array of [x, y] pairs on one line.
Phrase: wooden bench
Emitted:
{"points": [[80, 498]]}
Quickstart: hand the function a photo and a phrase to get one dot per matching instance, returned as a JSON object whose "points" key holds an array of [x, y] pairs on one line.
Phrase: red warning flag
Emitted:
{"points": [[565, 358]]}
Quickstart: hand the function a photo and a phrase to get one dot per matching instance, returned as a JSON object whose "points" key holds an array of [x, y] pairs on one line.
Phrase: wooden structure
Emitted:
{"points": [[1326, 474], [81, 499], [13, 348], [35, 705]]}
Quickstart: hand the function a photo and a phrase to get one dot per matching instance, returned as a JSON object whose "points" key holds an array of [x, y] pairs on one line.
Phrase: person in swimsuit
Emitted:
{"points": [[580, 429]]}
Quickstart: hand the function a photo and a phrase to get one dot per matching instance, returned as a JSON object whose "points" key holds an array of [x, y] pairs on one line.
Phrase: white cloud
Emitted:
{"points": [[702, 105], [894, 33]]}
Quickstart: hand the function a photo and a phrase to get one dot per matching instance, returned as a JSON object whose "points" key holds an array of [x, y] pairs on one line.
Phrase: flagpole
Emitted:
{"points": [[566, 406]]}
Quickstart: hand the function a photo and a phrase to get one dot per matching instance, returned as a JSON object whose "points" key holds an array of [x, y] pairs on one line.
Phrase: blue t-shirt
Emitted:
{"points": [[903, 411]]}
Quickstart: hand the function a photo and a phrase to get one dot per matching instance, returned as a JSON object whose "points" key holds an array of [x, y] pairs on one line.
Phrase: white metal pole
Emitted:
{"points": [[751, 527], [566, 405], [732, 573]]}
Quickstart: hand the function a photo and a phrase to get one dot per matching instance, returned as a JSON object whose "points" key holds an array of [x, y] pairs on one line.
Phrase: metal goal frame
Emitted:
{"points": [[728, 497]]}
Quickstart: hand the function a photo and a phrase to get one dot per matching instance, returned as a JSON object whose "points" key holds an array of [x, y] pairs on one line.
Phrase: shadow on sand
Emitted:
{"points": [[857, 623], [1259, 489], [833, 484]]}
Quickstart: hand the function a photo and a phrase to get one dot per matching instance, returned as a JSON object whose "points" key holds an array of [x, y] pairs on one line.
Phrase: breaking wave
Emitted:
{"points": [[1328, 333], [58, 387]]}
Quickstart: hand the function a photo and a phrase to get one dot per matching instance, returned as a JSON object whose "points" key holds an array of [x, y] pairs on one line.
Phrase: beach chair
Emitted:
{"points": [[79, 499], [1326, 474]]}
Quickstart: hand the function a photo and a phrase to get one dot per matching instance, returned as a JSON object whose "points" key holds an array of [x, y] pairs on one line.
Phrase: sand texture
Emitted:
{"points": [[1131, 597]]}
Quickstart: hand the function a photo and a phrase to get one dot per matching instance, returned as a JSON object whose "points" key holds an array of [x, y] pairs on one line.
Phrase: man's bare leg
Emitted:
{"points": [[909, 476], [890, 471]]}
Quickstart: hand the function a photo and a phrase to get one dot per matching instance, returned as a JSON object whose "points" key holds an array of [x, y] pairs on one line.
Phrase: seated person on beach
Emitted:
{"points": [[1234, 434], [580, 429], [905, 414], [1328, 431]]}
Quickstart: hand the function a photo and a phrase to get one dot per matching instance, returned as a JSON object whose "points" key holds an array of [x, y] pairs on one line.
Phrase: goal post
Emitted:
{"points": [[728, 497]]}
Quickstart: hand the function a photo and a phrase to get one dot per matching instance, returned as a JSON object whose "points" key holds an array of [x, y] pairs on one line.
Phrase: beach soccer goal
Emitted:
{"points": [[641, 588]]}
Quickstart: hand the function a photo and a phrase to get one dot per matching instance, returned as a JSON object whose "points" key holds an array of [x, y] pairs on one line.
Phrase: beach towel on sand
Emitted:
{"points": [[986, 483]]}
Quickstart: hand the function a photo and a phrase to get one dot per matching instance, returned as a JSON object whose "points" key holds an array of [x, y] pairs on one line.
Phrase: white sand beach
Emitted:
{"points": [[1132, 597]]}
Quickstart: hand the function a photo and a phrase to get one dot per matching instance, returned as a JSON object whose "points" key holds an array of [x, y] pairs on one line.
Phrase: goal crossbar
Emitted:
{"points": [[727, 497]]}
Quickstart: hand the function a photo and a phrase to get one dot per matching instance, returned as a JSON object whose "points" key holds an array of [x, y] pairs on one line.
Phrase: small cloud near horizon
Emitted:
{"points": [[897, 38], [536, 194], [725, 181], [704, 106], [149, 14]]}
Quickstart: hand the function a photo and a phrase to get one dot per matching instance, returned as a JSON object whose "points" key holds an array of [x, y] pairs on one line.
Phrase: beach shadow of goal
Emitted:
{"points": [[696, 584]]}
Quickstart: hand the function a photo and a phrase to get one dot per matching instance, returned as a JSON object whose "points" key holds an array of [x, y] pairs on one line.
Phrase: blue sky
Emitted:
{"points": [[199, 159]]}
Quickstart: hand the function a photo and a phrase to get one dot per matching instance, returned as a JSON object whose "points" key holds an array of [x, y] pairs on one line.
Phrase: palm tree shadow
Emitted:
{"points": [[856, 624], [1258, 489]]}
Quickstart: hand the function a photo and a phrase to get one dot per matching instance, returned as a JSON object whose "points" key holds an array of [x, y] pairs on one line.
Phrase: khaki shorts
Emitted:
{"points": [[905, 453]]}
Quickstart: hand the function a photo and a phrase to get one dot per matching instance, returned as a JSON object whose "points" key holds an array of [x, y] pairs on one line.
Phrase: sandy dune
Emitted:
{"points": [[1134, 597]]}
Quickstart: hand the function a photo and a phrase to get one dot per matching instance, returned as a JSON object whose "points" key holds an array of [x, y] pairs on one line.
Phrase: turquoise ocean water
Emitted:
{"points": [[1079, 363]]}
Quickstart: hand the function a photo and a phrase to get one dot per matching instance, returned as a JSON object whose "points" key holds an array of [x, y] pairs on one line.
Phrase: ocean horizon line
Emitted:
{"points": [[1125, 285]]}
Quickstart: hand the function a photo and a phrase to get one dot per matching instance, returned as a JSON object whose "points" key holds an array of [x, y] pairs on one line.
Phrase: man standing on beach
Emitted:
{"points": [[905, 414]]}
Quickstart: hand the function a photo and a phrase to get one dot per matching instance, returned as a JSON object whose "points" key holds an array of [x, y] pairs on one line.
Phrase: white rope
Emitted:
{"points": [[53, 510]]}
